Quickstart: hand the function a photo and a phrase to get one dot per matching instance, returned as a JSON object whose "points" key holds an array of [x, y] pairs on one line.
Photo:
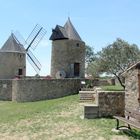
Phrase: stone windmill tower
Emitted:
{"points": [[12, 59], [68, 52]]}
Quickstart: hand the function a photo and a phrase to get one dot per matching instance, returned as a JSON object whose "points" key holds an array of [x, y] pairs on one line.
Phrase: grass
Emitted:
{"points": [[57, 119], [113, 88]]}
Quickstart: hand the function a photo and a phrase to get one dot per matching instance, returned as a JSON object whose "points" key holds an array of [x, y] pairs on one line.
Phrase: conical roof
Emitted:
{"points": [[59, 33], [71, 31], [66, 32], [12, 45]]}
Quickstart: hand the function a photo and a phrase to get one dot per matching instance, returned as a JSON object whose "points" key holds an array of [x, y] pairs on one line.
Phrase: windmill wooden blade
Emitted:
{"points": [[31, 42], [35, 37], [33, 61]]}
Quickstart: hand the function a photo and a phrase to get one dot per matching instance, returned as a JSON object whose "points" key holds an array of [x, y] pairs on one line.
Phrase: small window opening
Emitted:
{"points": [[20, 72], [77, 44]]}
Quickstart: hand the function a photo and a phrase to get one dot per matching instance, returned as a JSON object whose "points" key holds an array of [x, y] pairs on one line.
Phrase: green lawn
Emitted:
{"points": [[112, 88], [57, 119]]}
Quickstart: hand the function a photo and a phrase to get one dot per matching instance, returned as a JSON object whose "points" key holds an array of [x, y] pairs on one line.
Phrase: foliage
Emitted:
{"points": [[117, 57], [93, 69], [90, 62], [90, 56]]}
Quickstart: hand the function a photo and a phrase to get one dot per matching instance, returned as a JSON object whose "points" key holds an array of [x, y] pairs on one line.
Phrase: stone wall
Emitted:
{"points": [[91, 83], [64, 54], [42, 89], [110, 103], [10, 63], [131, 89], [5, 90]]}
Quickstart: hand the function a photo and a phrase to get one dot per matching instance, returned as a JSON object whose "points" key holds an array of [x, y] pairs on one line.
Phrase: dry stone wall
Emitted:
{"points": [[6, 90], [111, 103], [90, 83], [131, 89], [107, 104], [42, 89]]}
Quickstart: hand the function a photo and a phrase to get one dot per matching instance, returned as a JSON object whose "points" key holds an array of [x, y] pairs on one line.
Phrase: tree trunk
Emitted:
{"points": [[119, 79]]}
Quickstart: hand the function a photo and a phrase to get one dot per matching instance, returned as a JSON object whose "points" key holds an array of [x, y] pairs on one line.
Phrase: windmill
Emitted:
{"points": [[31, 42]]}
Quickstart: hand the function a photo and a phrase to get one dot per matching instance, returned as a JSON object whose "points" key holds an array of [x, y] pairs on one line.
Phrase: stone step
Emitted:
{"points": [[91, 111], [86, 101], [87, 95]]}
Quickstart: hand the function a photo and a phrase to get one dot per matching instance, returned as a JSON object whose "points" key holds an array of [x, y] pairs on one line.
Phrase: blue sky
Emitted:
{"points": [[98, 22]]}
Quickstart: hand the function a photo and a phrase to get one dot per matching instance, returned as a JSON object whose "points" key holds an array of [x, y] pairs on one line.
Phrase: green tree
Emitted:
{"points": [[90, 58], [93, 69], [90, 55], [117, 57]]}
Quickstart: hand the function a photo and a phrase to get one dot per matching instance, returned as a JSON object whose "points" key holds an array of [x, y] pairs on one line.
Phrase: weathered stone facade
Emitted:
{"points": [[10, 63], [42, 89], [64, 54], [12, 59], [91, 111], [106, 104], [6, 90], [68, 52], [111, 103], [132, 88]]}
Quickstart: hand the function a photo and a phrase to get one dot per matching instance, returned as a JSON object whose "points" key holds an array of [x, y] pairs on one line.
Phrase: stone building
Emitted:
{"points": [[132, 86], [68, 52], [12, 59]]}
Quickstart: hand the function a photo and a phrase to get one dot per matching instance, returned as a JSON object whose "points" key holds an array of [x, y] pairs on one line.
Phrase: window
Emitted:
{"points": [[77, 44], [20, 56], [20, 72]]}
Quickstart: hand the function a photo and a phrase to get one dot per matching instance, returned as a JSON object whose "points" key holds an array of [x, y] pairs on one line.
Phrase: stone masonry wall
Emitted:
{"points": [[110, 103], [10, 62], [64, 54], [42, 89], [5, 90], [131, 89], [97, 82]]}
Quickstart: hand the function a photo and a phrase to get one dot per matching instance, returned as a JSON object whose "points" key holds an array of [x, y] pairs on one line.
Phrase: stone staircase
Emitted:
{"points": [[87, 96], [100, 103]]}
